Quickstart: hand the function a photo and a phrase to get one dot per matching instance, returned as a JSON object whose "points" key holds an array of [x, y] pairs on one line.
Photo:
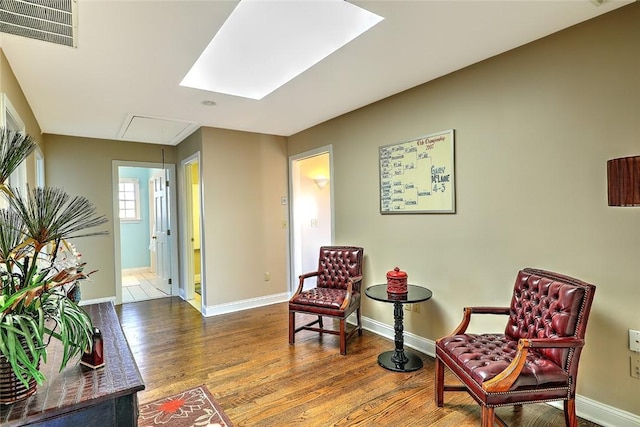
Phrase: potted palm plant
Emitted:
{"points": [[38, 269]]}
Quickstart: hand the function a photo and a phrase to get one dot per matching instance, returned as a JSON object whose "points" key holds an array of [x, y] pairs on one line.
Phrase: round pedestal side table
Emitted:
{"points": [[399, 360]]}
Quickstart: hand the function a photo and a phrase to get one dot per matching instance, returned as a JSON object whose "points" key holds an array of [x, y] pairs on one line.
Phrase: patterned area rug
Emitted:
{"points": [[191, 408]]}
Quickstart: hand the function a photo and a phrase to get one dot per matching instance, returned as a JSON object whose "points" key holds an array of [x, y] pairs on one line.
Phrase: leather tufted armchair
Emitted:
{"points": [[534, 360], [336, 295]]}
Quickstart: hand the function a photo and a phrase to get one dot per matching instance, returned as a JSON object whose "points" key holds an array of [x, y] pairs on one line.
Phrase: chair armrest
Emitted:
{"points": [[307, 275], [301, 283], [356, 280], [505, 379], [353, 282], [347, 297], [468, 311]]}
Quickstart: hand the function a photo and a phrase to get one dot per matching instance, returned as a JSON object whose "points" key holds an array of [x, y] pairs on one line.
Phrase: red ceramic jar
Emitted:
{"points": [[397, 281]]}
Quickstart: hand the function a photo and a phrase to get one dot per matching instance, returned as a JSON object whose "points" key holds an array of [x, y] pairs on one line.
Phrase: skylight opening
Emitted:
{"points": [[266, 43]]}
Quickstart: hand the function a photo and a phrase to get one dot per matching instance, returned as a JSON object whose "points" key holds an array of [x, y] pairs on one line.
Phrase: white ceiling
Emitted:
{"points": [[132, 55]]}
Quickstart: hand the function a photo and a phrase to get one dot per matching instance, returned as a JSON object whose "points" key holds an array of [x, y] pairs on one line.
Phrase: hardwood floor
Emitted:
{"points": [[260, 380]]}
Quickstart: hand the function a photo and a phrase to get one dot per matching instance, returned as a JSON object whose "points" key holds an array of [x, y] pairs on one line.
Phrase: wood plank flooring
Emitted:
{"points": [[260, 380]]}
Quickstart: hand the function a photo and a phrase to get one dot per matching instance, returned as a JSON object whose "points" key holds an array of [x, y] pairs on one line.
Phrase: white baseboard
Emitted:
{"points": [[137, 270], [414, 341], [244, 304], [586, 408], [602, 414]]}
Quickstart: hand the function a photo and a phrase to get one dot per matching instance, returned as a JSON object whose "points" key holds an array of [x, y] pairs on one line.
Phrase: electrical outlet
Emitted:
{"points": [[416, 308], [267, 276], [407, 307], [634, 340], [635, 366]]}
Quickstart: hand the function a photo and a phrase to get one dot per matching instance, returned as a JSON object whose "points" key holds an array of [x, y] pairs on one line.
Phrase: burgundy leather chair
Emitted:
{"points": [[534, 360], [336, 295]]}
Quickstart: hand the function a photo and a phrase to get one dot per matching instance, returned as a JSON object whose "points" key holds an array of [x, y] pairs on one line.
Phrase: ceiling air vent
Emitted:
{"points": [[51, 21]]}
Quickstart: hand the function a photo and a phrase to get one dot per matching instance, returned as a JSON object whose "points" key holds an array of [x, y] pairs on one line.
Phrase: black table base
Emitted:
{"points": [[398, 360], [413, 362]]}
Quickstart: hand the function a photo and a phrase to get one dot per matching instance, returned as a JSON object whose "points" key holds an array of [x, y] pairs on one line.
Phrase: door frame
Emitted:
{"points": [[188, 290], [294, 181], [172, 240]]}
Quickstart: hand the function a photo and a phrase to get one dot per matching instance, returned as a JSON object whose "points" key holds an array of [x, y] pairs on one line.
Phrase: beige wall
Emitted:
{"points": [[534, 130], [9, 85], [244, 176], [190, 146], [83, 167]]}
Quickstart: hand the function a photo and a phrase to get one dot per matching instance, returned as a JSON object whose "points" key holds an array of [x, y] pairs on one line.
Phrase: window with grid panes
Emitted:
{"points": [[129, 199]]}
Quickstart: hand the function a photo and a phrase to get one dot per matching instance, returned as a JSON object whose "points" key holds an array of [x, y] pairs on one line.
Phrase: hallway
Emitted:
{"points": [[140, 287]]}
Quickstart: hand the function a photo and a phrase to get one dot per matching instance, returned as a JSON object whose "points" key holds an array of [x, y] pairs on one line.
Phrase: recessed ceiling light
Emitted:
{"points": [[208, 103], [264, 44]]}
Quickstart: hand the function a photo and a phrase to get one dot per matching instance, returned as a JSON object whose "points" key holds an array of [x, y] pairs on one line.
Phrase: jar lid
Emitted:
{"points": [[397, 273]]}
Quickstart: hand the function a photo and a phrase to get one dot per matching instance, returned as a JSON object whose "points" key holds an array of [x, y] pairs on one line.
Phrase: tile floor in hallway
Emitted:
{"points": [[140, 287]]}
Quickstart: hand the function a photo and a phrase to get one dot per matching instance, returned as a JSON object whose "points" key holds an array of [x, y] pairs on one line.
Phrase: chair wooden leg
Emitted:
{"points": [[439, 394], [570, 413], [320, 324], [488, 416], [292, 327], [343, 338]]}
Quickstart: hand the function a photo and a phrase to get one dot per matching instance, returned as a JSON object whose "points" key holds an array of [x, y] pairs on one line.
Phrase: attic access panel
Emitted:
{"points": [[51, 21], [155, 130]]}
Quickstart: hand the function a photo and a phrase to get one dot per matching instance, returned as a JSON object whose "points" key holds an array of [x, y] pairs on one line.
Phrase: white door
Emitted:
{"points": [[160, 234]]}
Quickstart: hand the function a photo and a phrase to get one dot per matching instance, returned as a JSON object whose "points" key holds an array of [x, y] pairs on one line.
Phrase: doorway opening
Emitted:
{"points": [[144, 245], [311, 189], [192, 242]]}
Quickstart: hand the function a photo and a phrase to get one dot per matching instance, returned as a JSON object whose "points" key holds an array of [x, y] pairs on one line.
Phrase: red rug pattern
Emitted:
{"points": [[191, 408]]}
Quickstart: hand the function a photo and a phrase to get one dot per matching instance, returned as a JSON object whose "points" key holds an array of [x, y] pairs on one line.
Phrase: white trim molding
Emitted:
{"points": [[414, 341], [602, 414], [214, 310], [136, 270]]}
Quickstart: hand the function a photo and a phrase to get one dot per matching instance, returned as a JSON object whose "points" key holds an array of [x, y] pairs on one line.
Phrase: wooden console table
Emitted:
{"points": [[81, 396]]}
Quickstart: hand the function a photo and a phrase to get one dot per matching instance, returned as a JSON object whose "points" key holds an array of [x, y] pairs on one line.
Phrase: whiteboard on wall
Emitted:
{"points": [[417, 176]]}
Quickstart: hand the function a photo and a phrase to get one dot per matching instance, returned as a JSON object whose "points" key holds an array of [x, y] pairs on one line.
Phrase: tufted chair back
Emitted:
{"points": [[549, 305], [337, 264]]}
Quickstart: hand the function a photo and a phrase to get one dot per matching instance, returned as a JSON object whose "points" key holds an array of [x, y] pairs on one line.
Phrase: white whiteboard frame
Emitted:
{"points": [[423, 182]]}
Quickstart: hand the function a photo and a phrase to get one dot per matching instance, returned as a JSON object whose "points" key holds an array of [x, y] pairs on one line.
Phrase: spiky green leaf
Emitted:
{"points": [[50, 214], [14, 149]]}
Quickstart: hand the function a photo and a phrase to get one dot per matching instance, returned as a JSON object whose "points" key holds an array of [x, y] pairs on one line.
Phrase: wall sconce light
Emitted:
{"points": [[321, 182], [623, 181]]}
